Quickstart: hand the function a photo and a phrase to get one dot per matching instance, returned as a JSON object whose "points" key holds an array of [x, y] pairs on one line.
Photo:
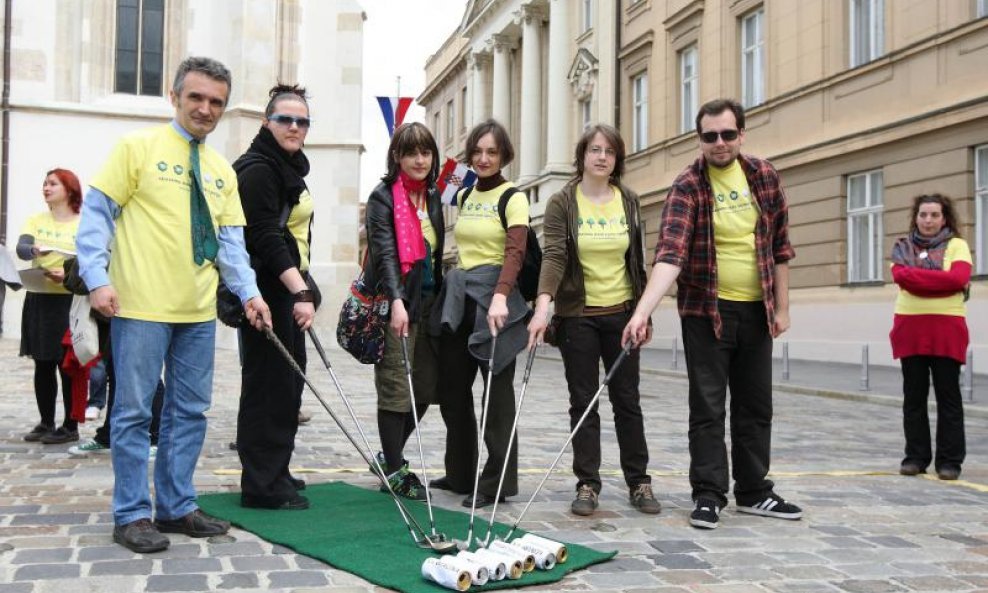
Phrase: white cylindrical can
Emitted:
{"points": [[496, 570], [478, 572], [513, 566], [544, 559], [446, 573], [562, 554], [526, 558]]}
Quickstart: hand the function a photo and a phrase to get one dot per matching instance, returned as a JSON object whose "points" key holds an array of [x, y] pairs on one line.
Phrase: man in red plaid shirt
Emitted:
{"points": [[724, 240]]}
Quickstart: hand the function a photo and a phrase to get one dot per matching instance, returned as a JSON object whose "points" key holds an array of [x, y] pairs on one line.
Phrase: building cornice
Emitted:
{"points": [[455, 65]]}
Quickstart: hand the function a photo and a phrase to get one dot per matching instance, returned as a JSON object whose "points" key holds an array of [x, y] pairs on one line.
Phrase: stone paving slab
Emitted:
{"points": [[865, 529]]}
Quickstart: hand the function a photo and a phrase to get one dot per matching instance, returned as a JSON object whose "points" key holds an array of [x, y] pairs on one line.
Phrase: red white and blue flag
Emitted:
{"points": [[453, 177], [394, 109]]}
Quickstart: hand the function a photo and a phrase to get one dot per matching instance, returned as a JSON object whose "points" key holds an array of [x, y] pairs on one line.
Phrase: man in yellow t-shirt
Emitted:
{"points": [[164, 215]]}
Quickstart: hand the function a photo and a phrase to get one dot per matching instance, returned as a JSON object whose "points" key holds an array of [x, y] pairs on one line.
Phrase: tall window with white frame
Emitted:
{"points": [[585, 113], [639, 112], [864, 227], [463, 108], [981, 209], [450, 119], [753, 58], [689, 82], [139, 47], [435, 124], [586, 16], [867, 30]]}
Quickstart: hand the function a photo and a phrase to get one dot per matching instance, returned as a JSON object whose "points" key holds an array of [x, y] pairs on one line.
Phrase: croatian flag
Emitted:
{"points": [[452, 178], [394, 109]]}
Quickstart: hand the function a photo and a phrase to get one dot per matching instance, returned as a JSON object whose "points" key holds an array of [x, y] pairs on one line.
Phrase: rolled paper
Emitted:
{"points": [[526, 558], [446, 573], [544, 559], [562, 554], [512, 565], [479, 574], [496, 570]]}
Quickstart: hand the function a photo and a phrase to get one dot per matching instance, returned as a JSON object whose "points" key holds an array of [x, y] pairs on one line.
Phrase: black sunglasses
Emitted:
{"points": [[711, 137], [287, 120]]}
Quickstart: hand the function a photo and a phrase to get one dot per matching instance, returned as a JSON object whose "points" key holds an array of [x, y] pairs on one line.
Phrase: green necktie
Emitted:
{"points": [[204, 244]]}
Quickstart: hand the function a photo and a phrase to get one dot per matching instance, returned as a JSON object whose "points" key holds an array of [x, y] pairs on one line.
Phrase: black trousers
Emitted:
{"points": [[916, 371], [457, 409], [742, 360], [102, 435], [46, 376], [270, 398], [584, 342]]}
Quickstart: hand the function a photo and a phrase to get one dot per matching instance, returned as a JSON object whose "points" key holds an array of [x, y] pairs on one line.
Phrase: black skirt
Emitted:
{"points": [[43, 325]]}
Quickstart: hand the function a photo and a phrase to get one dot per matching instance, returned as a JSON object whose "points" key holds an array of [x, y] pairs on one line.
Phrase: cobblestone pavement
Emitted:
{"points": [[865, 528]]}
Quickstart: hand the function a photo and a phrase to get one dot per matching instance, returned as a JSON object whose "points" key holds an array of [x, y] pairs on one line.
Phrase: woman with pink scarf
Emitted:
{"points": [[405, 231]]}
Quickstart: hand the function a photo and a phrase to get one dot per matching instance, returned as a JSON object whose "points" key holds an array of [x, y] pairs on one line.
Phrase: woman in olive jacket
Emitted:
{"points": [[405, 237], [593, 269]]}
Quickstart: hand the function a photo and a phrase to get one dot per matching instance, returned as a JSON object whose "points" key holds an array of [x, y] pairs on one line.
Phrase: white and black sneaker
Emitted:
{"points": [[773, 506], [705, 514]]}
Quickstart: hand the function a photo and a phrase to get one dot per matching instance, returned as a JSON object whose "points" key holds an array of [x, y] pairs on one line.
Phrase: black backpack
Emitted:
{"points": [[528, 276]]}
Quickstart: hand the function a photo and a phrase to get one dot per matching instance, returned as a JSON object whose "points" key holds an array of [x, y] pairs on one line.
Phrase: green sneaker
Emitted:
{"points": [[406, 484], [90, 447]]}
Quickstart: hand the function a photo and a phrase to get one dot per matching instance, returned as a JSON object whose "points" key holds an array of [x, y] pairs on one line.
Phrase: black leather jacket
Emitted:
{"points": [[383, 271]]}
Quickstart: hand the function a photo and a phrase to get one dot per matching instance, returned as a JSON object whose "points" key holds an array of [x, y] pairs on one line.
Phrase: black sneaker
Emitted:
{"points": [[140, 536], [773, 506], [642, 499], [37, 432], [59, 436], [949, 473], [705, 514], [911, 468], [586, 501]]}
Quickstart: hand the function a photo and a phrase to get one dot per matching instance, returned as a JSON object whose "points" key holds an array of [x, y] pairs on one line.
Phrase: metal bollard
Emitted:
{"points": [[675, 352], [968, 387], [785, 361], [864, 368]]}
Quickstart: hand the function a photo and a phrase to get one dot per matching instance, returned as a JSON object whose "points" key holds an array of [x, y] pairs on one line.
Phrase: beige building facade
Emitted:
{"points": [[860, 104], [84, 72]]}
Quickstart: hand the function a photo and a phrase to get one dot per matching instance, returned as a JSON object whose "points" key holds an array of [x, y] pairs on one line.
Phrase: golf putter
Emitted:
{"points": [[465, 544], [418, 435], [511, 442], [441, 547], [607, 379]]}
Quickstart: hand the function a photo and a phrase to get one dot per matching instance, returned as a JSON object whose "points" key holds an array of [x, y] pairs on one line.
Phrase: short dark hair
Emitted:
{"points": [[285, 92], [718, 106], [72, 188], [613, 138], [208, 66], [946, 207], [408, 139], [501, 138]]}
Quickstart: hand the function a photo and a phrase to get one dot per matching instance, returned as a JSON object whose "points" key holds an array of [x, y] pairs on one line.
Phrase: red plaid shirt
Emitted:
{"points": [[686, 237]]}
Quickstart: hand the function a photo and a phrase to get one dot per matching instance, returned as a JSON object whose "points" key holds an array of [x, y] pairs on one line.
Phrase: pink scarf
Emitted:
{"points": [[408, 227]]}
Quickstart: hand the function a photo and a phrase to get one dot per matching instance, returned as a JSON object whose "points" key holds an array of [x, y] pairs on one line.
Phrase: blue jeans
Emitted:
{"points": [[97, 385], [140, 350]]}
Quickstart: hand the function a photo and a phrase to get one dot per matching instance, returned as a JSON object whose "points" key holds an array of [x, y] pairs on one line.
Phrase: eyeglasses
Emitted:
{"points": [[599, 150], [288, 120], [725, 135]]}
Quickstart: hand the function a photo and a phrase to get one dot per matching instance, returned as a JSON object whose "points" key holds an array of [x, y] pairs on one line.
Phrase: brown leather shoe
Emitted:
{"points": [[911, 468], [948, 473], [140, 536], [195, 524]]}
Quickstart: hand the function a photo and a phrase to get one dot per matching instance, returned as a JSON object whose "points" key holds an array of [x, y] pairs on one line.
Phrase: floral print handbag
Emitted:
{"points": [[363, 320]]}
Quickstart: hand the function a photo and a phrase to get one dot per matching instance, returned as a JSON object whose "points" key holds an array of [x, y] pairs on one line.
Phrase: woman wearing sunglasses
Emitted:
{"points": [[278, 208], [405, 231], [593, 269]]}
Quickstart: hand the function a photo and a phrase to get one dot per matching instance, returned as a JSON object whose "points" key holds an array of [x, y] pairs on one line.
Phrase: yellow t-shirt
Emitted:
{"points": [[478, 231], [52, 234], [602, 241], [428, 231], [910, 304], [298, 226], [151, 263], [735, 213]]}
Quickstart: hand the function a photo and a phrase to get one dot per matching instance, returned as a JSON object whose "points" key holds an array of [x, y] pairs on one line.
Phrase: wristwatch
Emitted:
{"points": [[304, 296]]}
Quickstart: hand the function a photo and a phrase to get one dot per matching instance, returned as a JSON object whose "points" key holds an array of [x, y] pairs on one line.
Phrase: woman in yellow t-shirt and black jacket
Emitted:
{"points": [[405, 237], [932, 267], [271, 178], [479, 298], [46, 239], [593, 269]]}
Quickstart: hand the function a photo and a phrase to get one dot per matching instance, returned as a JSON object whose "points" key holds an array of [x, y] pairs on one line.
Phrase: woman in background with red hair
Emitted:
{"points": [[46, 240]]}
